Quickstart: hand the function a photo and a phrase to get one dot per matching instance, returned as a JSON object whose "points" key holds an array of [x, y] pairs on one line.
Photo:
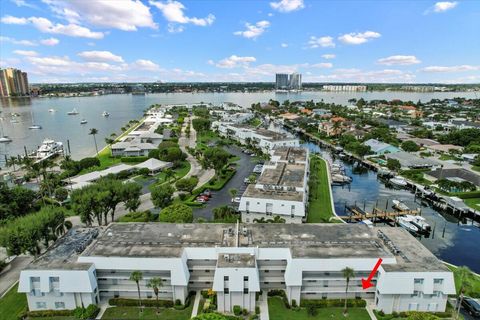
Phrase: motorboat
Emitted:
{"points": [[5, 139], [74, 112], [419, 222], [341, 179], [83, 121], [35, 127], [105, 114], [398, 182], [51, 110], [399, 205], [407, 224], [48, 149]]}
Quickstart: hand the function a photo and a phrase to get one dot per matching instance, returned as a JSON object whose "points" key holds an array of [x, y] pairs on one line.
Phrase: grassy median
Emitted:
{"points": [[319, 202]]}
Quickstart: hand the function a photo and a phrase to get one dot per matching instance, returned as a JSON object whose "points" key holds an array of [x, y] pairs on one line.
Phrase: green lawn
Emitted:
{"points": [[446, 157], [127, 313], [277, 311], [473, 203], [476, 168], [319, 202], [12, 304], [473, 288]]}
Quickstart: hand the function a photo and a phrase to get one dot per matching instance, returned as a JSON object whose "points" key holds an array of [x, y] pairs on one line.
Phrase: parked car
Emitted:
{"points": [[200, 199], [471, 306], [236, 199], [207, 193]]}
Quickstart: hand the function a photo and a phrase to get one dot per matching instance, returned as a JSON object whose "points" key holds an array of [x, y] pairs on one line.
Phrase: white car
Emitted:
{"points": [[236, 200]]}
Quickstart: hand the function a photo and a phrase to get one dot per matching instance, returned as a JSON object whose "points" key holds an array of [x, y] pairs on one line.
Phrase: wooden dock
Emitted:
{"points": [[357, 214]]}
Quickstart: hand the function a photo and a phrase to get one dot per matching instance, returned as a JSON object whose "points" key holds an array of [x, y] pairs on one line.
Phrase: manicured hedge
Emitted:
{"points": [[134, 159], [123, 302], [326, 303], [49, 313], [467, 195]]}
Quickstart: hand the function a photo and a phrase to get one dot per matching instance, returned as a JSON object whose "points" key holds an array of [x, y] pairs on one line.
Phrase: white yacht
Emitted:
{"points": [[51, 110], [83, 121], [407, 224], [398, 182], [35, 127], [399, 205], [419, 222], [74, 112], [48, 149], [105, 114]]}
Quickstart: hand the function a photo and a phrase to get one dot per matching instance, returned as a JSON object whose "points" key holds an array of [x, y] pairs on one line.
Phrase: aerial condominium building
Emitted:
{"points": [[286, 82], [237, 261], [280, 190], [13, 82]]}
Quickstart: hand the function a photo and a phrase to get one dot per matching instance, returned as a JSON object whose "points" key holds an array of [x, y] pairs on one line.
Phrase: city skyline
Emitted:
{"points": [[188, 41]]}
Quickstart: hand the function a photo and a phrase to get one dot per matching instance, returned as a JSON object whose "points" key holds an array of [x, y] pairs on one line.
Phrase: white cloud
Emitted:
{"points": [[52, 61], [448, 69], [399, 60], [322, 65], [175, 28], [50, 41], [323, 42], [287, 5], [126, 15], [284, 45], [72, 30], [173, 12], [13, 20], [443, 6], [328, 56], [234, 62], [23, 3], [100, 56], [359, 37], [18, 42], [27, 53], [253, 30], [146, 65]]}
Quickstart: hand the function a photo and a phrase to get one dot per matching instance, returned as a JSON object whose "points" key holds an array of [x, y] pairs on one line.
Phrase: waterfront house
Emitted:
{"points": [[380, 148]]}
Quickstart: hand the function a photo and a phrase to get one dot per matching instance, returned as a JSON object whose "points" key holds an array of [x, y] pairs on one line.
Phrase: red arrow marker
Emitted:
{"points": [[366, 283]]}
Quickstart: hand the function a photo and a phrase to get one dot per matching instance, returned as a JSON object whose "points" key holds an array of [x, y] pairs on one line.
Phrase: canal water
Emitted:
{"points": [[452, 240]]}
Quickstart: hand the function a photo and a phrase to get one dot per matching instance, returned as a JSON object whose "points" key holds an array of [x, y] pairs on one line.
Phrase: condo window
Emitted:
{"points": [[245, 290], [225, 291], [438, 281], [416, 294], [41, 305], [59, 305], [225, 278], [418, 281], [245, 278], [437, 294]]}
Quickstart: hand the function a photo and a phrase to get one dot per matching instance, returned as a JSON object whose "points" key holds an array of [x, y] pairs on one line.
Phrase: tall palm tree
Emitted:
{"points": [[11, 162], [155, 283], [464, 274], [94, 132], [233, 192], [347, 274], [137, 276]]}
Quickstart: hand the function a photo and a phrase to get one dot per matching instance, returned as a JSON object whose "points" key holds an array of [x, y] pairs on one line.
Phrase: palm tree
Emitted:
{"points": [[93, 132], [233, 192], [347, 274], [137, 276], [464, 274], [155, 283]]}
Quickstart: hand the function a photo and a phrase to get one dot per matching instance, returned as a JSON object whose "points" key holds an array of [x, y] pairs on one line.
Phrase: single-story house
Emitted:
{"points": [[460, 173], [444, 148], [380, 148], [392, 124], [411, 161]]}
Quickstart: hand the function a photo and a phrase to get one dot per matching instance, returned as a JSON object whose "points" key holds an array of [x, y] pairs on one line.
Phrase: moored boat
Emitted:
{"points": [[405, 223], [35, 127], [420, 222], [105, 114], [398, 182], [48, 149], [399, 205], [74, 112], [83, 121]]}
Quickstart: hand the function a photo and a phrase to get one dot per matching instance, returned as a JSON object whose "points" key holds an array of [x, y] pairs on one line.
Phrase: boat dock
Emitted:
{"points": [[358, 214]]}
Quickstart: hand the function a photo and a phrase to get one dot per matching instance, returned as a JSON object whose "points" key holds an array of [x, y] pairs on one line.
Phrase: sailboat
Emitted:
{"points": [[34, 126], [4, 138]]}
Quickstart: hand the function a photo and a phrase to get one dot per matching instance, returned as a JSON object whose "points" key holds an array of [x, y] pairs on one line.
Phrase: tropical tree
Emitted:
{"points": [[169, 173], [464, 274], [155, 283], [137, 276], [233, 192], [348, 273], [12, 161], [162, 195], [93, 132]]}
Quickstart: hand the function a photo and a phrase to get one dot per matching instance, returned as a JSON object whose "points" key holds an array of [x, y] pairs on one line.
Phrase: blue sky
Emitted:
{"points": [[327, 41]]}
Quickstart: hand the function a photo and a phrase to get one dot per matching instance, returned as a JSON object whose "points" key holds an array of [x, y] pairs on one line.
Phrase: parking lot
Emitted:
{"points": [[222, 197]]}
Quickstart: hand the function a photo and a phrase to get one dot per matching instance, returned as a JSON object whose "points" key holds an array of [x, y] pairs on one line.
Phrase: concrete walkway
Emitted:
{"points": [[369, 308], [103, 307], [263, 302], [198, 295], [11, 273]]}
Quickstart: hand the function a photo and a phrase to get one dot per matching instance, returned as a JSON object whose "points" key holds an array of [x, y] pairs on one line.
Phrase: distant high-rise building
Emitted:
{"points": [[285, 81], [13, 82], [295, 82], [281, 81]]}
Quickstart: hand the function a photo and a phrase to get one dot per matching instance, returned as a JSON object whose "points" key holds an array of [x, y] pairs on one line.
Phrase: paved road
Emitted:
{"points": [[222, 197], [12, 272]]}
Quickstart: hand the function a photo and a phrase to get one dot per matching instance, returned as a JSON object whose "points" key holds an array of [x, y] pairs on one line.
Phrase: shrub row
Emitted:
{"points": [[133, 159], [123, 302], [89, 312], [49, 313], [325, 303]]}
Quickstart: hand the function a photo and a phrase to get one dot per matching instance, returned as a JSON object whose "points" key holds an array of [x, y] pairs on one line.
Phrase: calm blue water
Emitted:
{"points": [[458, 244]]}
